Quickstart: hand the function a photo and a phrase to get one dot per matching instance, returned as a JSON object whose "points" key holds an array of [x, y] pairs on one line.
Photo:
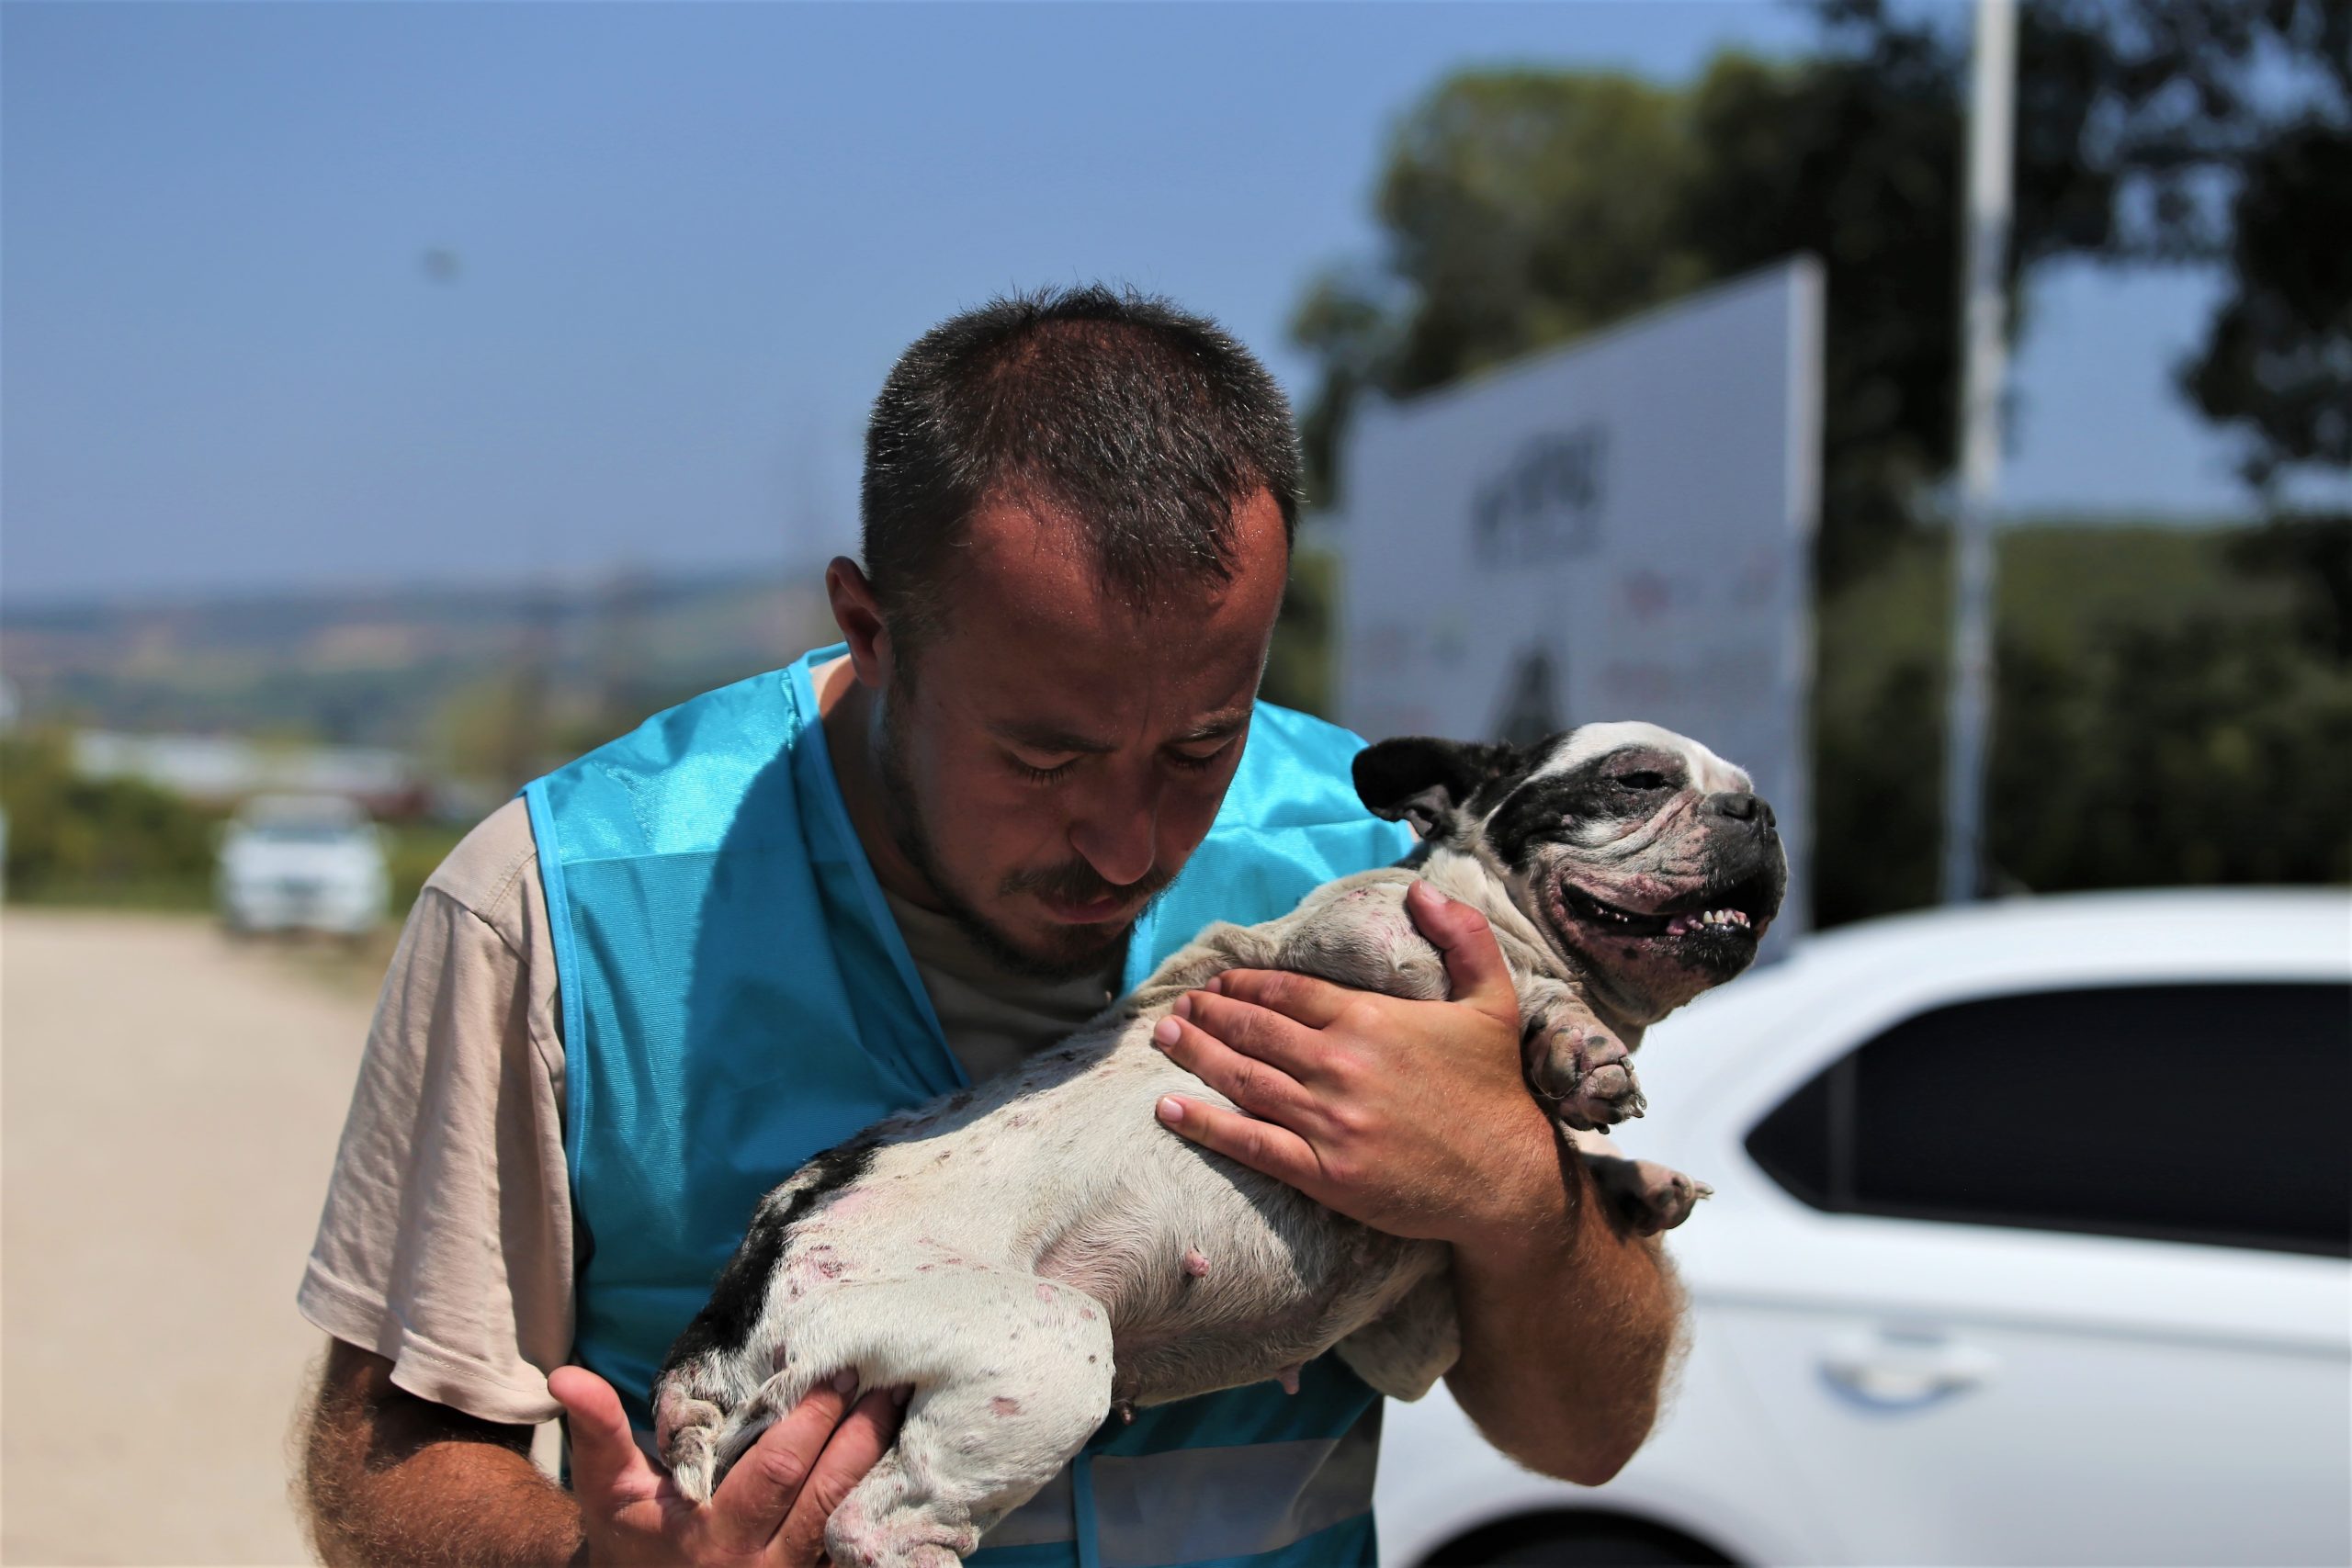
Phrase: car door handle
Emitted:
{"points": [[1904, 1372]]}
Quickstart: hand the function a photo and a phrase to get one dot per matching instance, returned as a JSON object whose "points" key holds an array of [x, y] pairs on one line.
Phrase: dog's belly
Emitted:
{"points": [[1211, 1275], [1262, 1280]]}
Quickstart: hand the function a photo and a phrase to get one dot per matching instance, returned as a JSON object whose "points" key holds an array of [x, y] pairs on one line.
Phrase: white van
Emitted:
{"points": [[302, 862]]}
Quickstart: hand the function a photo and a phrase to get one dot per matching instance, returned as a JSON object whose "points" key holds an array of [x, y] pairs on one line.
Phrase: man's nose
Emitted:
{"points": [[1120, 840], [1741, 807]]}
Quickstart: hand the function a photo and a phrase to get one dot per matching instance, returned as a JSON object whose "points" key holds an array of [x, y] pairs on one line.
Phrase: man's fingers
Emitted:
{"points": [[608, 1467], [751, 1504], [1258, 1087], [1474, 960], [857, 1443], [1279, 1041], [1313, 1002], [1277, 1151]]}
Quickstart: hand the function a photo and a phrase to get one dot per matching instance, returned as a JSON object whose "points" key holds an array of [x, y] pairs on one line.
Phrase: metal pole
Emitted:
{"points": [[1984, 362]]}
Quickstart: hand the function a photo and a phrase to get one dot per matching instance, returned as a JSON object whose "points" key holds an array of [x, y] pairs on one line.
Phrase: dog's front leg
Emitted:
{"points": [[1580, 1068], [1647, 1197], [1576, 1063]]}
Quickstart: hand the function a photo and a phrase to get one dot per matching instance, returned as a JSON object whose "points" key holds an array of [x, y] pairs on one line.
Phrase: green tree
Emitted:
{"points": [[79, 840], [1522, 208]]}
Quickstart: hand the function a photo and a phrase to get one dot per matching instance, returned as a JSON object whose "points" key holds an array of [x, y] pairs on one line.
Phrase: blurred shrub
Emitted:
{"points": [[73, 839], [1298, 665], [2175, 708]]}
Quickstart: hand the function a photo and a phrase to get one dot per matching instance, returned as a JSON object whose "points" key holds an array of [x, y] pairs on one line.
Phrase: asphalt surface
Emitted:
{"points": [[169, 1106]]}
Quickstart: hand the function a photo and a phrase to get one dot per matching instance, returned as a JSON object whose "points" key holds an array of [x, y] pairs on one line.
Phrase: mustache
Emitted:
{"points": [[1075, 882]]}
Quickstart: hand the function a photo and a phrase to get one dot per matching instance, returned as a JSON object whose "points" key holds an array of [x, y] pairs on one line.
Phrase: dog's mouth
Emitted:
{"points": [[1733, 914]]}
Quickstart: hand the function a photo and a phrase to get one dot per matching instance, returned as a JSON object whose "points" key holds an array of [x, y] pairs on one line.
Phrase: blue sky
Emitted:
{"points": [[688, 242]]}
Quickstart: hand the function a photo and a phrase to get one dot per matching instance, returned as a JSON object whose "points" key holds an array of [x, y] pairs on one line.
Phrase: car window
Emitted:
{"points": [[2209, 1114]]}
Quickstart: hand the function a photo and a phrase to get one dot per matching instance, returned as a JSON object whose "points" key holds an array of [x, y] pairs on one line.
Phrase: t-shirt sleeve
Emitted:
{"points": [[445, 1245]]}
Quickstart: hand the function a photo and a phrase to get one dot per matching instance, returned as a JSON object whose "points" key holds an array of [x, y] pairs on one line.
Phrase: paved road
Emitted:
{"points": [[167, 1116]]}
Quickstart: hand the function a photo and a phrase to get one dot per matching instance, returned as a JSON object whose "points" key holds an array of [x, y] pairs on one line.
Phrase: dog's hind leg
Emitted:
{"points": [[1012, 1374]]}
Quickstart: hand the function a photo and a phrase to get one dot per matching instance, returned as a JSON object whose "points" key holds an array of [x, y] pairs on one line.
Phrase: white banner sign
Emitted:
{"points": [[1618, 529]]}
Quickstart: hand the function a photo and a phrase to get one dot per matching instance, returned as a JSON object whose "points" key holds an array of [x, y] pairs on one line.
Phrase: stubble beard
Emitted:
{"points": [[902, 809]]}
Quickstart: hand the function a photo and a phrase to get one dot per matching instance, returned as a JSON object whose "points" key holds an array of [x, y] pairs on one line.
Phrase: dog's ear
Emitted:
{"points": [[1427, 782]]}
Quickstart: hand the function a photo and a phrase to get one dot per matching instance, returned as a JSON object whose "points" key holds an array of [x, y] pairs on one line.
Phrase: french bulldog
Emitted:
{"points": [[1034, 1252]]}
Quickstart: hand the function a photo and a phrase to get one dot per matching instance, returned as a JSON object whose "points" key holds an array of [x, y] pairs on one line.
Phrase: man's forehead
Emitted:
{"points": [[1022, 549], [1076, 695], [1026, 614]]}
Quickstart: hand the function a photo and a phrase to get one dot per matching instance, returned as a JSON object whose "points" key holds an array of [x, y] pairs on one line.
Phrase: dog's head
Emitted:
{"points": [[1645, 861]]}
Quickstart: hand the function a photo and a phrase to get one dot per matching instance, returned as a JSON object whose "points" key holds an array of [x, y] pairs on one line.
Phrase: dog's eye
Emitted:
{"points": [[1641, 781]]}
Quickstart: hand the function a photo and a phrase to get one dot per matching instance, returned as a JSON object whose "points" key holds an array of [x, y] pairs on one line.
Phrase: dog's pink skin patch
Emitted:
{"points": [[1005, 1406], [1044, 1291], [849, 1203], [1196, 1264], [1288, 1377]]}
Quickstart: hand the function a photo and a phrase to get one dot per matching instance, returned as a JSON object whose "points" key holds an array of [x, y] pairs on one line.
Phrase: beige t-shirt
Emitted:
{"points": [[446, 1244]]}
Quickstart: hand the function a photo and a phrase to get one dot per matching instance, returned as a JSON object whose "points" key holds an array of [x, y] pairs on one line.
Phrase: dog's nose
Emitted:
{"points": [[1741, 807]]}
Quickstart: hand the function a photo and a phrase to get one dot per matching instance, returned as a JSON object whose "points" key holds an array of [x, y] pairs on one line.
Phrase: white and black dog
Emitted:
{"points": [[1031, 1252]]}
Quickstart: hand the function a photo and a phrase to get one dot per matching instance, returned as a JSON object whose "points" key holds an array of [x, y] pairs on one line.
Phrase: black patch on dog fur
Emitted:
{"points": [[1427, 782], [726, 1321], [1546, 809]]}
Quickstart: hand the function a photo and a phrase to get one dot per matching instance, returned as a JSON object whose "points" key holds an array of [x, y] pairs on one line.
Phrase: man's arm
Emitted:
{"points": [[1565, 1338], [388, 1477], [1567, 1323], [392, 1479]]}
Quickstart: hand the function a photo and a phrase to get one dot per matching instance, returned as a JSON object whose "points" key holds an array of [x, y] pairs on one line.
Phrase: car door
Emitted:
{"points": [[2058, 1277]]}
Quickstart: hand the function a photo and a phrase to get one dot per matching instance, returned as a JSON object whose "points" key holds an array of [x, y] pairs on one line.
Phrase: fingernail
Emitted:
{"points": [[900, 1394], [843, 1381], [1183, 1008], [1216, 985], [1165, 1034], [1171, 1110]]}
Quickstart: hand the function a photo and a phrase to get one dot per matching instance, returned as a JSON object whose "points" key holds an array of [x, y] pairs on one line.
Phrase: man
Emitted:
{"points": [[677, 968]]}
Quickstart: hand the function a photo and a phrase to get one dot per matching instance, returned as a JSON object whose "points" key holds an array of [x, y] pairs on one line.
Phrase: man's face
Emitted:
{"points": [[1056, 754]]}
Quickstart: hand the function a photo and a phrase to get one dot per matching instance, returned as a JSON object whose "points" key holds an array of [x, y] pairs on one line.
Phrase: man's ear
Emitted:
{"points": [[1427, 782], [859, 616]]}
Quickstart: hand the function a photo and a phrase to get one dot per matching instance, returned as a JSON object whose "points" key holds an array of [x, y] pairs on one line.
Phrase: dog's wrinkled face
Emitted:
{"points": [[1646, 860]]}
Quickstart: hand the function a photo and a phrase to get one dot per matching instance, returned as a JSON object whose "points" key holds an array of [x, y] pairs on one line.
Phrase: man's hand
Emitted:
{"points": [[1411, 1117], [770, 1509]]}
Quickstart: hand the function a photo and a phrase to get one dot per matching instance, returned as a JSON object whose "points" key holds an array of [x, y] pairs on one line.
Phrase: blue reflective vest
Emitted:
{"points": [[736, 998]]}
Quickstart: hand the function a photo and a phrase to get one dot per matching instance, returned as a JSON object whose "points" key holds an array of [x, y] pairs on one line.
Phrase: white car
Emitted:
{"points": [[302, 862], [2029, 1245]]}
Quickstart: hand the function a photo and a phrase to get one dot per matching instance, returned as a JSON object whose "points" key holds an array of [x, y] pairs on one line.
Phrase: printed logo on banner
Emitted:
{"points": [[1530, 707], [1545, 504]]}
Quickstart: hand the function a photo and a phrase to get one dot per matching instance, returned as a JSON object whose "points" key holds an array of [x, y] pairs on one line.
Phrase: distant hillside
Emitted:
{"points": [[386, 667]]}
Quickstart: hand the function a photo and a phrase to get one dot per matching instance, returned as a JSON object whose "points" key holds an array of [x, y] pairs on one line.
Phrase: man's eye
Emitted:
{"points": [[1036, 774], [1641, 781], [1192, 764]]}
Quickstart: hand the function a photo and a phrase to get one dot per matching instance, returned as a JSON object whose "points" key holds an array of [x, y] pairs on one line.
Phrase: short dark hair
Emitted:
{"points": [[1148, 426]]}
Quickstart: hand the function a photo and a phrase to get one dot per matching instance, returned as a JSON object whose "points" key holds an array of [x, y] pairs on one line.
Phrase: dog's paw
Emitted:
{"points": [[686, 1434], [1582, 1071], [691, 1426], [1647, 1197]]}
